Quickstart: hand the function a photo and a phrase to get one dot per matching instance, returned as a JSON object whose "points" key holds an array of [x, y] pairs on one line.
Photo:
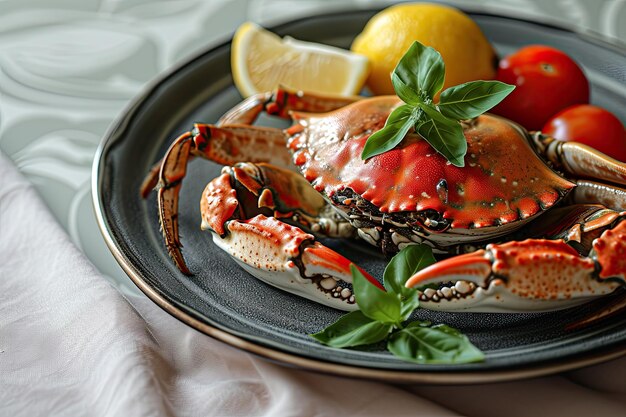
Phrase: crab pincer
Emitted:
{"points": [[247, 209], [530, 275]]}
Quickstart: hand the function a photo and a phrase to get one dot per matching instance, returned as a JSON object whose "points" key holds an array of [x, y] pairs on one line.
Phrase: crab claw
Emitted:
{"points": [[247, 208], [287, 258], [529, 276]]}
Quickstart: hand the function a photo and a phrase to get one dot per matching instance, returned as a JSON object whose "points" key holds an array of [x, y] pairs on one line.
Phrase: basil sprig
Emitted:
{"points": [[383, 314], [417, 78]]}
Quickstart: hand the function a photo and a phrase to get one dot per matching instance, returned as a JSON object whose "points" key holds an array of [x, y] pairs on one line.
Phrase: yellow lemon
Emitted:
{"points": [[468, 55], [261, 61]]}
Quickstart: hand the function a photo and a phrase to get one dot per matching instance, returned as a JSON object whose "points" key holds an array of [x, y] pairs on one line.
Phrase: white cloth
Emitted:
{"points": [[71, 345]]}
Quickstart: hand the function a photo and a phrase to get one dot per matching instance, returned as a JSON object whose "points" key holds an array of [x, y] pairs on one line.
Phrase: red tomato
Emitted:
{"points": [[546, 80], [592, 126]]}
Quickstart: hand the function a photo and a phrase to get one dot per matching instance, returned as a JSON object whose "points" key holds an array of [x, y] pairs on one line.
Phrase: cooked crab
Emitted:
{"points": [[266, 215]]}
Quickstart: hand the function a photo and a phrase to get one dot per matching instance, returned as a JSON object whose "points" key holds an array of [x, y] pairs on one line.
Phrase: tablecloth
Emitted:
{"points": [[76, 337]]}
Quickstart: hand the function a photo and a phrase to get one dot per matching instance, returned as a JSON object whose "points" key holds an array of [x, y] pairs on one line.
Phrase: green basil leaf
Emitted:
{"points": [[410, 300], [401, 267], [404, 265], [406, 93], [397, 126], [443, 134], [422, 70], [353, 329], [373, 302], [469, 100], [437, 344]]}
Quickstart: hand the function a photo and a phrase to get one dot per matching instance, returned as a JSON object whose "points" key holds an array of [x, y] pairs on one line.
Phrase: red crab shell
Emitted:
{"points": [[503, 179]]}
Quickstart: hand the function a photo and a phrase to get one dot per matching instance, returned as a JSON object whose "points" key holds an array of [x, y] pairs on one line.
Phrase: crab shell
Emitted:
{"points": [[503, 182]]}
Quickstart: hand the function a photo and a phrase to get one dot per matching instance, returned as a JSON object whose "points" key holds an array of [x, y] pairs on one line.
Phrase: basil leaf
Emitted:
{"points": [[421, 69], [417, 78], [401, 267], [397, 126], [353, 329], [406, 93], [404, 265], [409, 302], [373, 302], [469, 100], [443, 134], [437, 344]]}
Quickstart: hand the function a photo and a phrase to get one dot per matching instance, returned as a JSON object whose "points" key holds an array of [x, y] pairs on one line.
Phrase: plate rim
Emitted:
{"points": [[115, 132]]}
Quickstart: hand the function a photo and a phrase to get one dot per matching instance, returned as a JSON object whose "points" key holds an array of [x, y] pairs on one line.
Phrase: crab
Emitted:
{"points": [[283, 189]]}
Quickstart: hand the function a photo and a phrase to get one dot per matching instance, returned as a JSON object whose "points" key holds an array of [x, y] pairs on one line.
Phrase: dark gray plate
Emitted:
{"points": [[224, 301]]}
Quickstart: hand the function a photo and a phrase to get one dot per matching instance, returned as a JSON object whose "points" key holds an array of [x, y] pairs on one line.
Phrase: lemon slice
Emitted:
{"points": [[261, 61]]}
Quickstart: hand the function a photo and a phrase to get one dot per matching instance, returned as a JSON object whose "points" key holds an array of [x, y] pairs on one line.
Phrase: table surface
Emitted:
{"points": [[67, 71]]}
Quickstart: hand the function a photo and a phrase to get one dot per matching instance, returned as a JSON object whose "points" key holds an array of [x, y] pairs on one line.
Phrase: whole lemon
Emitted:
{"points": [[467, 53]]}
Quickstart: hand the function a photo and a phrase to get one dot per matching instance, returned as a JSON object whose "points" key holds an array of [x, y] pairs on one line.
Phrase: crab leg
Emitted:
{"points": [[281, 103], [244, 113], [247, 208], [172, 172], [247, 111], [225, 145], [214, 143], [580, 160], [591, 192], [531, 275], [252, 148]]}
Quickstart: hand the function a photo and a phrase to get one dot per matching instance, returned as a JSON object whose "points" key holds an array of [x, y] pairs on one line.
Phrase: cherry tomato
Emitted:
{"points": [[547, 81], [592, 126]]}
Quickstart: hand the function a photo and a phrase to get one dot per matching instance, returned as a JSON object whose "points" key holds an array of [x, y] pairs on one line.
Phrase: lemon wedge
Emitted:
{"points": [[261, 61]]}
